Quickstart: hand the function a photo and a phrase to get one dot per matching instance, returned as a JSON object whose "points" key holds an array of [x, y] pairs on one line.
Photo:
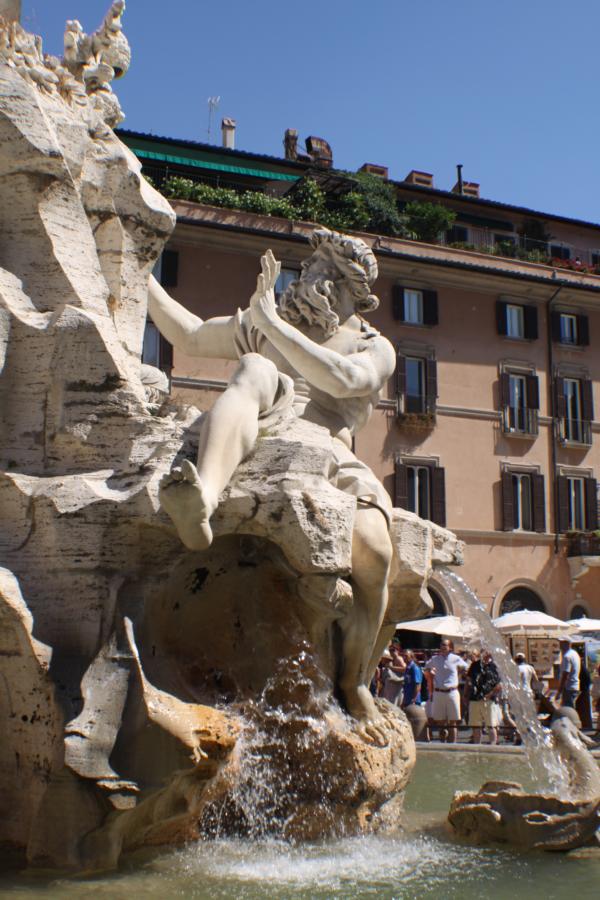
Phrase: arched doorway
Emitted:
{"points": [[578, 612], [521, 598]]}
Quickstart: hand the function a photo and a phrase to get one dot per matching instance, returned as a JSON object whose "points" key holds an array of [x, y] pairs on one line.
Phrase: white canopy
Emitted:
{"points": [[584, 624], [525, 620], [448, 626]]}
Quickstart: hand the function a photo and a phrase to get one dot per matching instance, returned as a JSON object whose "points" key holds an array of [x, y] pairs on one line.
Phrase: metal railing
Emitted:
{"points": [[519, 420], [583, 544], [558, 253], [575, 431]]}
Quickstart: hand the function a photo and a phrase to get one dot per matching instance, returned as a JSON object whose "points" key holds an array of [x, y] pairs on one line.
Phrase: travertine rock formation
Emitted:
{"points": [[128, 662], [502, 812]]}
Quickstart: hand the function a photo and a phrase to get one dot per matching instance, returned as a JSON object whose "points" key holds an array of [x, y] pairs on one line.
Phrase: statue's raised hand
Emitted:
{"points": [[263, 309]]}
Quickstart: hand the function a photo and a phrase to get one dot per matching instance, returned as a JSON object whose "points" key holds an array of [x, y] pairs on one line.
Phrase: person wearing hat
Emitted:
{"points": [[570, 667], [528, 680]]}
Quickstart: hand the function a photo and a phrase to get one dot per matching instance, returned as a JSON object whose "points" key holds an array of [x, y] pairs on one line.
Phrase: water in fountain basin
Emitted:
{"points": [[547, 768]]}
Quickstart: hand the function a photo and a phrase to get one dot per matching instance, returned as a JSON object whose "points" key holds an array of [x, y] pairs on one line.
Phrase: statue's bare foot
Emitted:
{"points": [[183, 497], [370, 725]]}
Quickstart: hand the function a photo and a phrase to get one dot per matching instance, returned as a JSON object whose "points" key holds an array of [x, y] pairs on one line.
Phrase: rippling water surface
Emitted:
{"points": [[422, 862]]}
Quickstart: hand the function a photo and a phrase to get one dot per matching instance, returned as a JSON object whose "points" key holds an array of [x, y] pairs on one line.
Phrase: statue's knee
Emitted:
{"points": [[259, 375], [372, 547]]}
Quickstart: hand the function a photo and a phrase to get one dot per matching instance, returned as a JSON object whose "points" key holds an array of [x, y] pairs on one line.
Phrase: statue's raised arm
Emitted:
{"points": [[214, 338]]}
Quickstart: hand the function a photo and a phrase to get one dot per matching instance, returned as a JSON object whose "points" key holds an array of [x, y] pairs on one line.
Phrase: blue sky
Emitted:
{"points": [[509, 89]]}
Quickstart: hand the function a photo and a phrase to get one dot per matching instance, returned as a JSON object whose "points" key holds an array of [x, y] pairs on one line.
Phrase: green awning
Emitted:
{"points": [[220, 167]]}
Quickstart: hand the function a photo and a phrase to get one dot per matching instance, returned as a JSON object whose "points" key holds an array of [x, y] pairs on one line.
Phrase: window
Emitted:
{"points": [[523, 501], [559, 251], [519, 399], [577, 503], [515, 320], [521, 598], [573, 420], [420, 487], [413, 306], [419, 493], [416, 378], [595, 257], [156, 350], [415, 398], [570, 328], [286, 276], [151, 348], [458, 234]]}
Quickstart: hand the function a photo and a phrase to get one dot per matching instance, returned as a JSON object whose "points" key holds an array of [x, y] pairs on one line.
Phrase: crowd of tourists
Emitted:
{"points": [[467, 688]]}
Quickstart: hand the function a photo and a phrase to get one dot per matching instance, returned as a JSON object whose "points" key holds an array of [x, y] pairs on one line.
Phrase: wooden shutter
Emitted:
{"points": [[431, 384], [560, 404], [539, 503], [587, 400], [562, 490], [430, 308], [583, 331], [555, 326], [530, 317], [508, 513], [504, 389], [501, 316], [398, 302], [169, 266], [400, 485], [591, 504], [438, 496], [401, 375], [533, 392], [165, 353]]}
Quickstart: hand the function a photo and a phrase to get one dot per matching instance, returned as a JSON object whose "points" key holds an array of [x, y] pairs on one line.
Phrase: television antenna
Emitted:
{"points": [[213, 103]]}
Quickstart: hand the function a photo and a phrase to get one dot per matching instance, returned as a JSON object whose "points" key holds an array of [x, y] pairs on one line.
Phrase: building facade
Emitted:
{"points": [[489, 425]]}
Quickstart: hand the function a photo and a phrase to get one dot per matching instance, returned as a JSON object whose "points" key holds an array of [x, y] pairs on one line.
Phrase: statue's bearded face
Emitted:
{"points": [[310, 301]]}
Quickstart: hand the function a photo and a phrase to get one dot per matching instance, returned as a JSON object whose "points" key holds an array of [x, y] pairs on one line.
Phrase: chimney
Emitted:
{"points": [[319, 151], [373, 169], [290, 143], [424, 179], [228, 132], [10, 10], [466, 188]]}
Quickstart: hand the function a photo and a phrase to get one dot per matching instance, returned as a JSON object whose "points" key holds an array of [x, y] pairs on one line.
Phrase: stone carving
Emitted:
{"points": [[503, 812], [313, 358], [136, 665]]}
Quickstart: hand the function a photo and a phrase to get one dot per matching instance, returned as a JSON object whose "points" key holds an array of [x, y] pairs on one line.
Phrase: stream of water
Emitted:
{"points": [[547, 768]]}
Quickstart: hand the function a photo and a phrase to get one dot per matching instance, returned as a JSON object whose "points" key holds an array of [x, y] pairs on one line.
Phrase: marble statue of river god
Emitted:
{"points": [[154, 690]]}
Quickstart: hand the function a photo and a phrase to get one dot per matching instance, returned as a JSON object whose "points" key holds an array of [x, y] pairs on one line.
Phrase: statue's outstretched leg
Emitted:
{"points": [[371, 560], [228, 433]]}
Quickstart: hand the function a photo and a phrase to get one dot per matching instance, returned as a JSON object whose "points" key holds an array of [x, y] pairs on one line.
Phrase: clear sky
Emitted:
{"points": [[509, 89]]}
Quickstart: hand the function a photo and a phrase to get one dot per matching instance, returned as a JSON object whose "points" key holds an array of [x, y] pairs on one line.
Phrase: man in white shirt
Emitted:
{"points": [[528, 680], [570, 667], [444, 667]]}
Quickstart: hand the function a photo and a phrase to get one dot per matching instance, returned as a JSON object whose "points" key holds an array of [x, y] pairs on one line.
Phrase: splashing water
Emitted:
{"points": [[287, 725], [545, 763]]}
